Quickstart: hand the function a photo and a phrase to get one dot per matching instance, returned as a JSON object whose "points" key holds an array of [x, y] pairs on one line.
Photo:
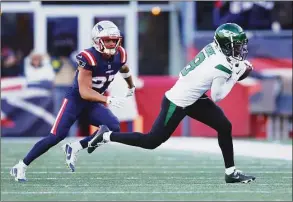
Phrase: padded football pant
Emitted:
{"points": [[71, 109], [203, 110]]}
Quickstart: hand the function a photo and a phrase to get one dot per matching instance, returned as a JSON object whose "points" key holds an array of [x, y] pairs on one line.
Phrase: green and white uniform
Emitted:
{"points": [[197, 77]]}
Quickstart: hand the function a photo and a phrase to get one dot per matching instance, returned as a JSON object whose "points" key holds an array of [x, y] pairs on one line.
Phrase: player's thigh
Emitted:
{"points": [[101, 115], [169, 118], [69, 111], [207, 112]]}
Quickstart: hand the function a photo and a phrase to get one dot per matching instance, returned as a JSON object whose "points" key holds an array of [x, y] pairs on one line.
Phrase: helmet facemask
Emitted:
{"points": [[101, 46], [237, 50]]}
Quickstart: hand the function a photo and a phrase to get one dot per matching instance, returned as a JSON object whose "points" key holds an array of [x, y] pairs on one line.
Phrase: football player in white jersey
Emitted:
{"points": [[217, 67]]}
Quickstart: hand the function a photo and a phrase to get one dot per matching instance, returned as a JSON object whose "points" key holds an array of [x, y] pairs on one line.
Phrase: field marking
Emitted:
{"points": [[143, 192], [157, 167], [143, 171], [263, 150], [134, 178], [150, 184]]}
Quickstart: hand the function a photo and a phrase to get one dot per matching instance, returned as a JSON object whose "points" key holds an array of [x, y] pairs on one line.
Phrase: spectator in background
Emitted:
{"points": [[10, 62], [283, 14], [249, 15], [37, 67]]}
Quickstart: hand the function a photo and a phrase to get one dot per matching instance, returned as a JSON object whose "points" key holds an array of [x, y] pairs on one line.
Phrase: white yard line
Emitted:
{"points": [[134, 178], [143, 171], [171, 167], [241, 147], [149, 185], [142, 192]]}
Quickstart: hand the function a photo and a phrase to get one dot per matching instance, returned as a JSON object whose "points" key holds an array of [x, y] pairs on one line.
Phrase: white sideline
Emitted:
{"points": [[241, 147], [248, 148], [142, 192]]}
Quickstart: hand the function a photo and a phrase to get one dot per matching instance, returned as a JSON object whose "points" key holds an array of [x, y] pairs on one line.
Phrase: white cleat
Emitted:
{"points": [[71, 156], [18, 172]]}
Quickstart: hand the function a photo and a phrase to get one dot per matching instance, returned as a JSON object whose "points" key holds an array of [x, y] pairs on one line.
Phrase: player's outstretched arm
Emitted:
{"points": [[125, 73], [85, 87]]}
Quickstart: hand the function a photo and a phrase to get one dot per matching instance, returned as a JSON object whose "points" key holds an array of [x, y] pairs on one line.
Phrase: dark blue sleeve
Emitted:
{"points": [[82, 62]]}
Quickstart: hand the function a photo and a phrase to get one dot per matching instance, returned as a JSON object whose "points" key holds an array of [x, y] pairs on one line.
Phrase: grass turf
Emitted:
{"points": [[118, 172]]}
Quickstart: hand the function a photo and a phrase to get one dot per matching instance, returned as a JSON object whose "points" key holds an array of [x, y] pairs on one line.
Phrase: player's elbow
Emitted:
{"points": [[216, 96], [84, 94]]}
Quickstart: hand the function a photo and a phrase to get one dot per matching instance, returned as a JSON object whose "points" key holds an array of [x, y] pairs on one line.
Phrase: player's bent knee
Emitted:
{"points": [[151, 141], [225, 127], [58, 136], [151, 145], [54, 139]]}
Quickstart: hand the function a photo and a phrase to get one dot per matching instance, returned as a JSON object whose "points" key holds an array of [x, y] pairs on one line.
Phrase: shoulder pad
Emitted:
{"points": [[86, 57]]}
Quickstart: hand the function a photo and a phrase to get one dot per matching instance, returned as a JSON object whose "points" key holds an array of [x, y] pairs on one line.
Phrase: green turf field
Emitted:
{"points": [[117, 172]]}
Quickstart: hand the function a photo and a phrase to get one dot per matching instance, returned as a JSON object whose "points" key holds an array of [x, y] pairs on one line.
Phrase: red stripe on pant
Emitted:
{"points": [[59, 116]]}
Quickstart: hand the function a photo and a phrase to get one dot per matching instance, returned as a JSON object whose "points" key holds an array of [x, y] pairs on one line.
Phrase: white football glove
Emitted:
{"points": [[130, 92], [116, 101], [248, 63], [238, 69]]}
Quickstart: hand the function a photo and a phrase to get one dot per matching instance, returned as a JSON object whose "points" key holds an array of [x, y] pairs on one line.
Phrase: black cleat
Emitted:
{"points": [[98, 139], [237, 176]]}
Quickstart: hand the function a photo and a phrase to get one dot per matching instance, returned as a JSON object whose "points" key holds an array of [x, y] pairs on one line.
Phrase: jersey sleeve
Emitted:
{"points": [[222, 70], [86, 60], [123, 55]]}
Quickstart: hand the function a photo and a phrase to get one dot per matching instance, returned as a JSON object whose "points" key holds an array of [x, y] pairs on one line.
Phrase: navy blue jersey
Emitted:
{"points": [[103, 70]]}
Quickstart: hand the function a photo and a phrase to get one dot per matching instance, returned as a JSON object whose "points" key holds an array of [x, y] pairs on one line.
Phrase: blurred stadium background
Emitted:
{"points": [[39, 41]]}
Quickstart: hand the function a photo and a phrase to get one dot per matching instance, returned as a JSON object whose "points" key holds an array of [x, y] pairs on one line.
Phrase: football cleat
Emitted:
{"points": [[237, 176], [71, 156], [98, 139], [18, 172]]}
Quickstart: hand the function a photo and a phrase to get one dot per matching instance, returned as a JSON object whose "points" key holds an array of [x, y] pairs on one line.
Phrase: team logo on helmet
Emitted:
{"points": [[100, 28], [227, 33]]}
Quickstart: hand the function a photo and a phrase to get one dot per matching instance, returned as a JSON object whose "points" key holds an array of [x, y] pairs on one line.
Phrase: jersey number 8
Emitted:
{"points": [[199, 58]]}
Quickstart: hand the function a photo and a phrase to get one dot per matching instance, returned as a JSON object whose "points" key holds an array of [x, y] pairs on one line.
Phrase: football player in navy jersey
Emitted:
{"points": [[97, 67]]}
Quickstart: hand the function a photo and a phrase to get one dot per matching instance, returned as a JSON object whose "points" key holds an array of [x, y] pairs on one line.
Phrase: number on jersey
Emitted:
{"points": [[99, 81], [199, 58]]}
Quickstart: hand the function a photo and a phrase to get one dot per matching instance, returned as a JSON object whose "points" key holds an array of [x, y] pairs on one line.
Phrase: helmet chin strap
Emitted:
{"points": [[111, 51]]}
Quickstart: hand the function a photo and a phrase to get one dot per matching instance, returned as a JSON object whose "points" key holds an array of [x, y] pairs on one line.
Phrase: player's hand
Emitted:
{"points": [[130, 92], [238, 69], [247, 63], [116, 101]]}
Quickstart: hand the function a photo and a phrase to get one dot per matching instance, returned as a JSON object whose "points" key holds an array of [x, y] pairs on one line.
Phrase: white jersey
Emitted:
{"points": [[197, 77]]}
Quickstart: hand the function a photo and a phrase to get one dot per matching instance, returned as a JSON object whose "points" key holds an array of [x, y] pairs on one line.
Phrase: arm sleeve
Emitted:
{"points": [[221, 87], [223, 82]]}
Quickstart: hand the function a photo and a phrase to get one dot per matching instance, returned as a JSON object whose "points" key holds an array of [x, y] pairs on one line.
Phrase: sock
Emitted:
{"points": [[22, 163], [106, 136], [76, 145], [41, 147], [84, 142], [230, 170]]}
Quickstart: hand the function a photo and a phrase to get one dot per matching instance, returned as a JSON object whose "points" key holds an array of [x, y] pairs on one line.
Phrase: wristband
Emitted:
{"points": [[126, 75]]}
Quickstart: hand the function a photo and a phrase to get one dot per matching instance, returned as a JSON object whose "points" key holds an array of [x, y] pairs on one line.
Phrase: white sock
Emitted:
{"points": [[106, 136], [22, 163], [230, 170], [76, 146]]}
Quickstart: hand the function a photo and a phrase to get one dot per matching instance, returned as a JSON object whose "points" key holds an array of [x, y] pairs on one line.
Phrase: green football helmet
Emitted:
{"points": [[232, 40]]}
